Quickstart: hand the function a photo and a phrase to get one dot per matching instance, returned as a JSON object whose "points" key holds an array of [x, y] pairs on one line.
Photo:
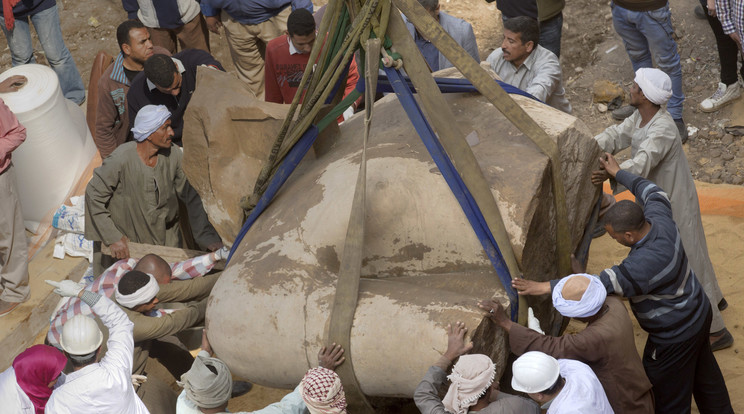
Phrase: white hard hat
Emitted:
{"points": [[80, 335], [534, 372]]}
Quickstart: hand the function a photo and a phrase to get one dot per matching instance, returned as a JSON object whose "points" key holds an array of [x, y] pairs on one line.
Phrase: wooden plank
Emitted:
{"points": [[21, 328], [170, 254]]}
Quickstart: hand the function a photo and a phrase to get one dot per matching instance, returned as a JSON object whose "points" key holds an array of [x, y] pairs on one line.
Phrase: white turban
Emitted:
{"points": [[205, 388], [591, 301], [148, 120], [655, 84], [322, 392], [471, 377], [142, 295]]}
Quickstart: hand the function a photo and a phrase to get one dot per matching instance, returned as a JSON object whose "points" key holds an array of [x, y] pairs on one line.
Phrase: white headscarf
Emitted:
{"points": [[205, 388], [655, 84], [471, 377], [591, 301], [142, 295], [148, 120]]}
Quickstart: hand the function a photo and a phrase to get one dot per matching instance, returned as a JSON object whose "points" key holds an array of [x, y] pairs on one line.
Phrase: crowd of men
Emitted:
{"points": [[141, 194]]}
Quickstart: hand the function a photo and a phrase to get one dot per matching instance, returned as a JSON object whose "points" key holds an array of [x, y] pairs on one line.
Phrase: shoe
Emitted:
{"points": [[722, 305], [682, 129], [7, 307], [723, 95], [721, 340], [240, 388], [700, 13], [623, 112]]}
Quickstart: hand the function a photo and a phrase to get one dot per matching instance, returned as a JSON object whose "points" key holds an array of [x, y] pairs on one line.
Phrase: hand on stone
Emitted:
{"points": [[205, 346], [12, 84], [496, 313], [609, 164], [530, 287], [576, 265], [456, 344], [331, 357]]}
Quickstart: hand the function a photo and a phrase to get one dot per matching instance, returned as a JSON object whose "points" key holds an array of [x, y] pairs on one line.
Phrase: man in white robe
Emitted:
{"points": [[657, 154]]}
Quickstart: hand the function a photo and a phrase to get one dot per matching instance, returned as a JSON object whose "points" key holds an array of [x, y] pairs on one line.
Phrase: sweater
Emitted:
{"points": [[665, 295], [140, 93]]}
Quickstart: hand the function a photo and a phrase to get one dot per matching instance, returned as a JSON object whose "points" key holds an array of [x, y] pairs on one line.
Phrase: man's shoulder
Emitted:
{"points": [[446, 19], [278, 45], [543, 55]]}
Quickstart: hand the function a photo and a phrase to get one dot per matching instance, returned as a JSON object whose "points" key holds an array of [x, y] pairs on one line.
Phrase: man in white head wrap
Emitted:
{"points": [[134, 195], [473, 386], [207, 386], [657, 155], [606, 344]]}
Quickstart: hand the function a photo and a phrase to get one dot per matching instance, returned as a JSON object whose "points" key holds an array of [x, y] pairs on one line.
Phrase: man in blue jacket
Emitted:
{"points": [[249, 26], [45, 17], [171, 21]]}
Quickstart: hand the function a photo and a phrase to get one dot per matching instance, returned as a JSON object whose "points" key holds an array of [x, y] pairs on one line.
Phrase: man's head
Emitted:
{"points": [[652, 85], [579, 296], [322, 392], [472, 380], [163, 73], [624, 222], [538, 375], [153, 125], [521, 35], [134, 41], [208, 384], [431, 6], [81, 340], [156, 266], [301, 30], [137, 291]]}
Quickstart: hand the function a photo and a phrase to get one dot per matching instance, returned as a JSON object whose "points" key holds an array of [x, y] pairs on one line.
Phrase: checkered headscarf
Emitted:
{"points": [[322, 392]]}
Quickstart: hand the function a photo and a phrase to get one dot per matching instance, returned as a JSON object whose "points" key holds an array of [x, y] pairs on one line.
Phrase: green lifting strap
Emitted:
{"points": [[347, 286]]}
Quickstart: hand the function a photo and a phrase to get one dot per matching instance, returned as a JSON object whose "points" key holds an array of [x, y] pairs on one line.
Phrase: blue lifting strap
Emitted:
{"points": [[453, 179]]}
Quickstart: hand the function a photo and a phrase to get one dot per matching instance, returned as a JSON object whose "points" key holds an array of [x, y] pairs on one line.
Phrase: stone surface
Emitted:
{"points": [[423, 267], [606, 91]]}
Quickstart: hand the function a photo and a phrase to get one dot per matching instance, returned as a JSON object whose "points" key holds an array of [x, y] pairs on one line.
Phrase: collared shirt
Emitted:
{"points": [[292, 49], [539, 75], [179, 66], [105, 284]]}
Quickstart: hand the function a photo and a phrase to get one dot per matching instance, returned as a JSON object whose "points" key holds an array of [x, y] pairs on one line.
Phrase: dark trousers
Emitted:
{"points": [[680, 370], [728, 50]]}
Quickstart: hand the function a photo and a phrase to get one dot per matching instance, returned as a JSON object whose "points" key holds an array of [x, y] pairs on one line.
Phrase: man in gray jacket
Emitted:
{"points": [[459, 29]]}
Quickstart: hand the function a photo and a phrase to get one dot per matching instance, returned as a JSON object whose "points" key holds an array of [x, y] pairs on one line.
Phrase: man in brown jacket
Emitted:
{"points": [[112, 120], [606, 344]]}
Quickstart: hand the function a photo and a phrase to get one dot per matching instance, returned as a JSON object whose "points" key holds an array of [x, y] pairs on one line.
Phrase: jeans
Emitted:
{"points": [[728, 50], [650, 34], [550, 34], [47, 26]]}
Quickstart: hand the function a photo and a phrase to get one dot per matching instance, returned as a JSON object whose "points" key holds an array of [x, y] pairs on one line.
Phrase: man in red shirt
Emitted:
{"points": [[287, 57]]}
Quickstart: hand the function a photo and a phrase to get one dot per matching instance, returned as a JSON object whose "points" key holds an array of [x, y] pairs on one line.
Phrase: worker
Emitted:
{"points": [[665, 297], [523, 63], [105, 284], [94, 387], [25, 387], [460, 30], [322, 391], [13, 245], [168, 81], [606, 344], [473, 388], [138, 294], [112, 118], [560, 386], [657, 154], [134, 195], [207, 385], [287, 57]]}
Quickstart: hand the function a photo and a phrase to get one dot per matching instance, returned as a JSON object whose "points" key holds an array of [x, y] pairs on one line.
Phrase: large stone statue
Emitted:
{"points": [[423, 266]]}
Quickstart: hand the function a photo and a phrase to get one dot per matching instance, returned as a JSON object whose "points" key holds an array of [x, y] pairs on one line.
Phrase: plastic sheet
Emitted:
{"points": [[58, 144]]}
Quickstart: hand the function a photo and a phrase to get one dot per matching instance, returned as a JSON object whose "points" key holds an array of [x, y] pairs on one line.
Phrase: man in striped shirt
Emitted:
{"points": [[665, 297]]}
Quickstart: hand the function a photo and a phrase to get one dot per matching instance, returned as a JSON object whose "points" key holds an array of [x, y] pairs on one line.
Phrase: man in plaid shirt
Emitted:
{"points": [[731, 15], [106, 283]]}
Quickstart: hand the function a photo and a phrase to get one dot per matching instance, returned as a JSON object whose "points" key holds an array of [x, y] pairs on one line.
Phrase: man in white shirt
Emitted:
{"points": [[522, 62], [96, 387], [561, 386]]}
